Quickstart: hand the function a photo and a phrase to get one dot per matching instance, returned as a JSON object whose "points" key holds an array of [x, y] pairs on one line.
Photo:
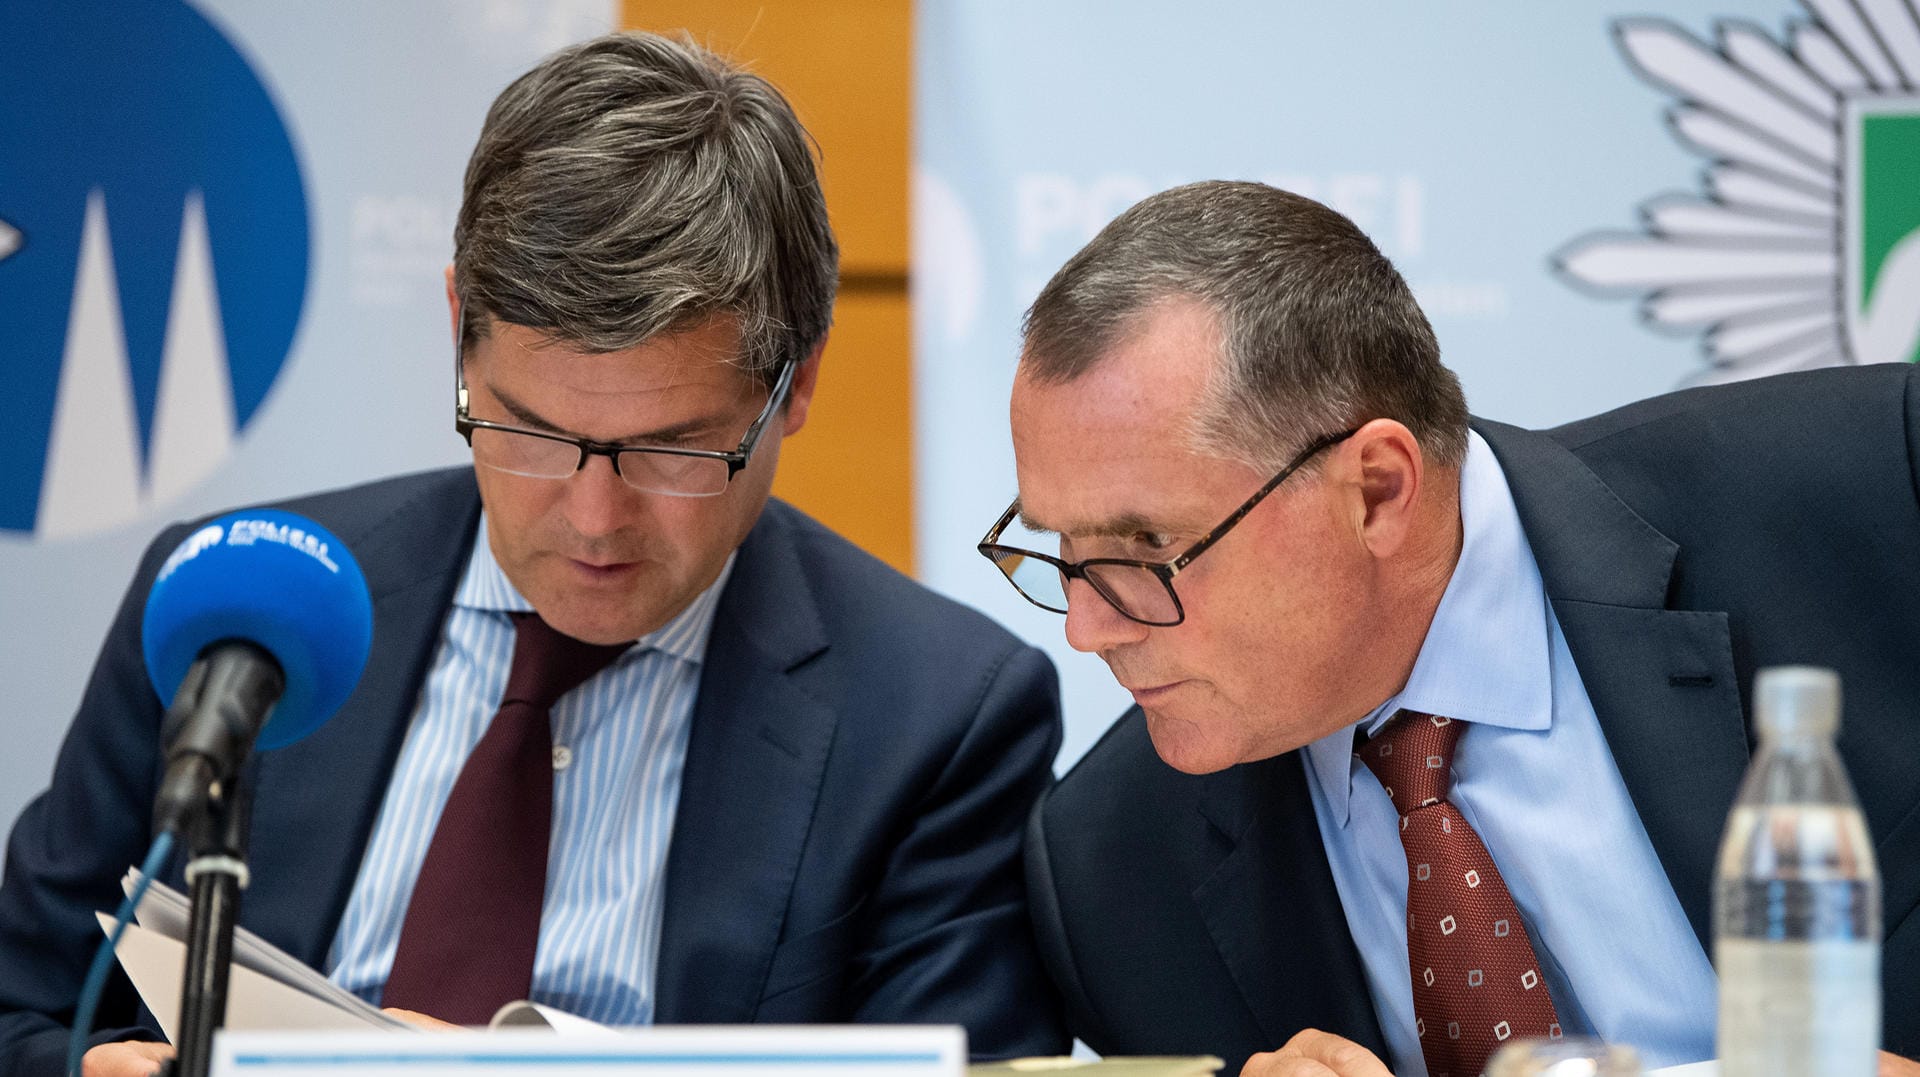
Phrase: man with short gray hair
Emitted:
{"points": [[1438, 720], [766, 778]]}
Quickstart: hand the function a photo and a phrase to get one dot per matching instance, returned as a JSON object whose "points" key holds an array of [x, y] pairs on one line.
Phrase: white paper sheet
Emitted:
{"points": [[166, 913], [156, 964]]}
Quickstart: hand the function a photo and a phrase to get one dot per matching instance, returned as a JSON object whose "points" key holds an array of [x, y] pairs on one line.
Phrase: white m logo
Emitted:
{"points": [[94, 475]]}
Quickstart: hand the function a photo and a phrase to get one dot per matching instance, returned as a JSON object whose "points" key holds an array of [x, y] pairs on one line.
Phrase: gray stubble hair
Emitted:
{"points": [[1319, 332]]}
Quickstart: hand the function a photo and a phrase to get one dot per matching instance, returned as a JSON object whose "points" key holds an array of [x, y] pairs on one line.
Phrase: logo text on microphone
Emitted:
{"points": [[246, 532]]}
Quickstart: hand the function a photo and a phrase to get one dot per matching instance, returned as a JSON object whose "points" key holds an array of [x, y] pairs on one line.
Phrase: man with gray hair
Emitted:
{"points": [[1438, 719], [740, 771]]}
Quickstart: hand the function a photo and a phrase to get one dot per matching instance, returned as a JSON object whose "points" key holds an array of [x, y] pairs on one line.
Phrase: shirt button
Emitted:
{"points": [[562, 757]]}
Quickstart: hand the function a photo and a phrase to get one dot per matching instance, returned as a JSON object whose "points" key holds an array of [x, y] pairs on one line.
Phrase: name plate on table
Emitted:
{"points": [[705, 1050]]}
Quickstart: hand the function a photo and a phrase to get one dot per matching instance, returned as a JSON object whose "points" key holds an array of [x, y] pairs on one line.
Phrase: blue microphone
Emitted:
{"points": [[256, 628]]}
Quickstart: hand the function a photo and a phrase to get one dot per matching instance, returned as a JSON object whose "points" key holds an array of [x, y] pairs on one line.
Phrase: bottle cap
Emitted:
{"points": [[1797, 701]]}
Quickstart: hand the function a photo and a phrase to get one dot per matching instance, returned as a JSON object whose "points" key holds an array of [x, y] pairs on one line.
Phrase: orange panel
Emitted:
{"points": [[846, 66], [849, 465]]}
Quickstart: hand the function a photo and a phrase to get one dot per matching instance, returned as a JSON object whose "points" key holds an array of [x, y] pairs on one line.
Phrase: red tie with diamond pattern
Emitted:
{"points": [[1476, 979], [473, 923]]}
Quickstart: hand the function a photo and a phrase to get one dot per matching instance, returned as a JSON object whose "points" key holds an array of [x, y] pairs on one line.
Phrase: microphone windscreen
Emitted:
{"points": [[275, 579]]}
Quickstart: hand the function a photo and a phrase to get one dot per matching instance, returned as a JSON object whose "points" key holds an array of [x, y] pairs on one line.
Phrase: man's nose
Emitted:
{"points": [[598, 500], [1093, 624]]}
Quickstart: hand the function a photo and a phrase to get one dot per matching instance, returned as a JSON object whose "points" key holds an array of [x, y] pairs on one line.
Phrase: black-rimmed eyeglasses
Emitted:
{"points": [[544, 454], [1141, 590]]}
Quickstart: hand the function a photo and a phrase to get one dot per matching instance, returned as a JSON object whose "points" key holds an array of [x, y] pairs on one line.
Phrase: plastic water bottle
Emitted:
{"points": [[1797, 898]]}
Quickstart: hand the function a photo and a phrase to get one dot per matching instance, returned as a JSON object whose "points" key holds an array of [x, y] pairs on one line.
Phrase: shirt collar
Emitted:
{"points": [[485, 587], [1485, 658]]}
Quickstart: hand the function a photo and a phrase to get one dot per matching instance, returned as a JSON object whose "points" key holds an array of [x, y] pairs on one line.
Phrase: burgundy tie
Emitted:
{"points": [[1476, 979], [473, 924]]}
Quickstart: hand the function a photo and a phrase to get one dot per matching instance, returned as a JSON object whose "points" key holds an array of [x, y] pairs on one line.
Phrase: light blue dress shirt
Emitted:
{"points": [[620, 742], [1532, 773]]}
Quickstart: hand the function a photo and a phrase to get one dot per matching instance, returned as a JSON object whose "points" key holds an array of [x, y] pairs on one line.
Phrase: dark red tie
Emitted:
{"points": [[1476, 979], [473, 924]]}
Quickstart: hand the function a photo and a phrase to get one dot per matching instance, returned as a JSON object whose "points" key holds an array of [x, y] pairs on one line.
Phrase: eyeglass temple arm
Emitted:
{"points": [[1205, 541], [780, 386]]}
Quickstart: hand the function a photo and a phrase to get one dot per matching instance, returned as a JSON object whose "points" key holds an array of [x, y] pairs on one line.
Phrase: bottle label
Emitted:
{"points": [[1798, 1007]]}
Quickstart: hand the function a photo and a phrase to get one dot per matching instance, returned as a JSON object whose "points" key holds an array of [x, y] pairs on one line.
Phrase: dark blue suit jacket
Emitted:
{"points": [[1684, 541], [862, 758]]}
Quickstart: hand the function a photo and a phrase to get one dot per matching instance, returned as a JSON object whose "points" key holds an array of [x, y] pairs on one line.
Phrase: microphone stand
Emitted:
{"points": [[217, 873], [204, 797]]}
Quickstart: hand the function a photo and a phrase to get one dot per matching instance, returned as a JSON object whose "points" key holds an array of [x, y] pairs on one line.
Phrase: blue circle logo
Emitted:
{"points": [[153, 258]]}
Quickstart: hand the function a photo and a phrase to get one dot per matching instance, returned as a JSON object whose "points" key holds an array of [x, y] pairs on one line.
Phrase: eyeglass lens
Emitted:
{"points": [[534, 456], [1136, 590]]}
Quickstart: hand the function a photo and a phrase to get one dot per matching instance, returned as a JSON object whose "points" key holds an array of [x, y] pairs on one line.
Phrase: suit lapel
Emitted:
{"points": [[1271, 906], [755, 758], [320, 795], [1661, 681]]}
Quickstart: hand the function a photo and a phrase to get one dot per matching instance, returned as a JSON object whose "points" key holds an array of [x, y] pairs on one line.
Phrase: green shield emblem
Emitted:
{"points": [[1882, 266]]}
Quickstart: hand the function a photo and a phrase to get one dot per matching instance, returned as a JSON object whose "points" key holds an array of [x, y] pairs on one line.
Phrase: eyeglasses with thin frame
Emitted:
{"points": [[1141, 590], [545, 454]]}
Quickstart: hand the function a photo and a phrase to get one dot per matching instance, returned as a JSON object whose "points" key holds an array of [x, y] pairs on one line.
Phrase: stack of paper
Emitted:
{"points": [[268, 988]]}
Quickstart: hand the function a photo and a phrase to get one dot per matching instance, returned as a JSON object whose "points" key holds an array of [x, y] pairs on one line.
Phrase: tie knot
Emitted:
{"points": [[1413, 757], [547, 663]]}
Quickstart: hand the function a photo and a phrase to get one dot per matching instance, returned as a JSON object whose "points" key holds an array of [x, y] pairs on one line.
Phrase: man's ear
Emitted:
{"points": [[800, 395], [1388, 469], [453, 304]]}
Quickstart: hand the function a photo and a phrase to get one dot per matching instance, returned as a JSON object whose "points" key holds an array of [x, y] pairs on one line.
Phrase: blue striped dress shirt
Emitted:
{"points": [[1535, 778], [620, 742]]}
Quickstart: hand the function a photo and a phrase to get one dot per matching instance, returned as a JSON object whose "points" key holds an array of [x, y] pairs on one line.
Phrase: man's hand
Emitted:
{"points": [[1895, 1066], [1313, 1053], [414, 1017], [129, 1059]]}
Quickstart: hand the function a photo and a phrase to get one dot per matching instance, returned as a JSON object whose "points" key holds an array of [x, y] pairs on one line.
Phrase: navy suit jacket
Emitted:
{"points": [[862, 758], [1684, 541]]}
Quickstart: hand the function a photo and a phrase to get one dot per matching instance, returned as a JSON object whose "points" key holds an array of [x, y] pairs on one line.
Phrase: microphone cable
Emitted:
{"points": [[96, 982]]}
